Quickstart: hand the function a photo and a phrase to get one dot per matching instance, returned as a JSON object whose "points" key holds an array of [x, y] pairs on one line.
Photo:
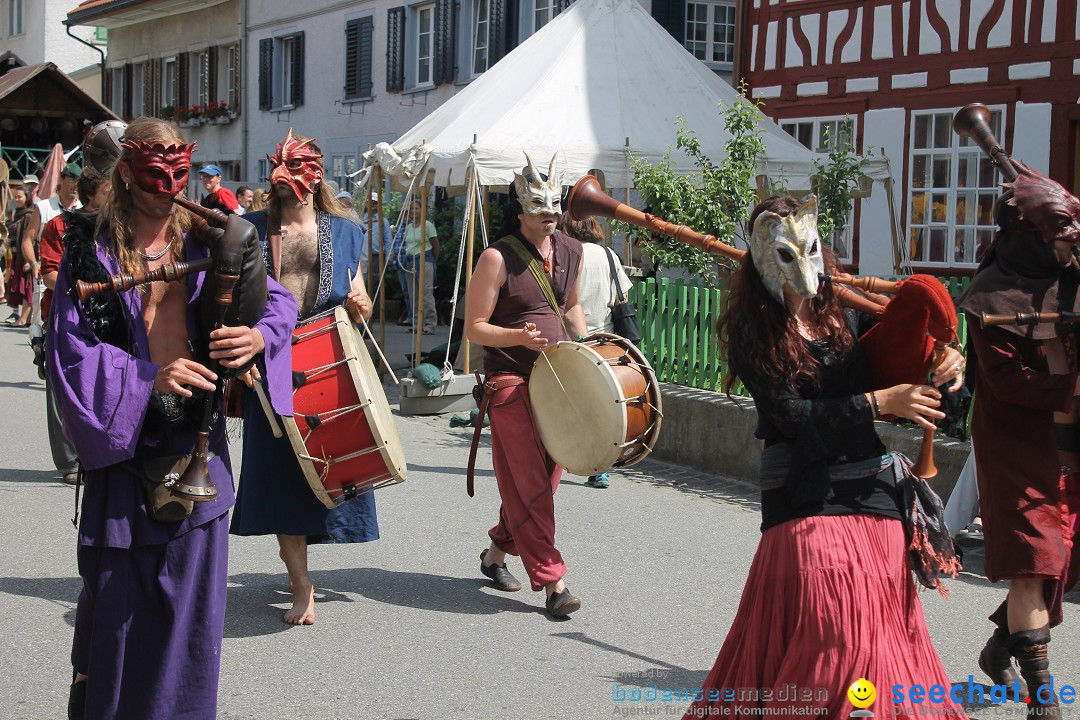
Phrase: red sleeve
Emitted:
{"points": [[226, 197], [51, 245], [1002, 367]]}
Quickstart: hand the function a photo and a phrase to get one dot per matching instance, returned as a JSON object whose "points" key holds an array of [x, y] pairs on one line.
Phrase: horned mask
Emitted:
{"points": [[157, 167], [787, 250], [535, 195], [298, 165]]}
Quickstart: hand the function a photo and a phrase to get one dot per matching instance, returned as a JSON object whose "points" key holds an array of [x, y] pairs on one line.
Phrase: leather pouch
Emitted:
{"points": [[158, 475]]}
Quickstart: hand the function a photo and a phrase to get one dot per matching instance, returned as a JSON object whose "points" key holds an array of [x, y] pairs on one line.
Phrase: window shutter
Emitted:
{"points": [[235, 94], [672, 15], [181, 98], [298, 69], [129, 73], [497, 31], [444, 41], [211, 74], [107, 92], [367, 47], [358, 49], [266, 70], [395, 49]]}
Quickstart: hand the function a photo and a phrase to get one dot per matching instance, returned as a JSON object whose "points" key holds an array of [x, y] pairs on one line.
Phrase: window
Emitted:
{"points": [[425, 35], [341, 167], [116, 91], [15, 17], [199, 84], [481, 35], [101, 36], [953, 189], [358, 52], [138, 83], [543, 12], [823, 135], [281, 72], [168, 82], [263, 171], [710, 32], [231, 80]]}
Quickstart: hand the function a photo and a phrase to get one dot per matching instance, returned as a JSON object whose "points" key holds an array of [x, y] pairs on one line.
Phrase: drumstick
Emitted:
{"points": [[265, 402], [367, 329]]}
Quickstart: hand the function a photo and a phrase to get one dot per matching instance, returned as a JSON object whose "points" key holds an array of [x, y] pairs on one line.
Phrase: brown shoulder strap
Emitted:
{"points": [[273, 241]]}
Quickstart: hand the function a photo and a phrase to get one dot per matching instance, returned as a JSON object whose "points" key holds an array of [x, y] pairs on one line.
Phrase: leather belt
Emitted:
{"points": [[482, 394]]}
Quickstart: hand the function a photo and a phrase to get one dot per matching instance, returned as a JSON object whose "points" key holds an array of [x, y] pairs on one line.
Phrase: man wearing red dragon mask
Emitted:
{"points": [[150, 617], [313, 248]]}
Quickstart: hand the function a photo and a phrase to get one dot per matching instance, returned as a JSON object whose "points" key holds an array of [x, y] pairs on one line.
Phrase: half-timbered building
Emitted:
{"points": [[890, 74]]}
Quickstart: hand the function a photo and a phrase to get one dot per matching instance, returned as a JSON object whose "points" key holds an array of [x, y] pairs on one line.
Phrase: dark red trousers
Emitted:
{"points": [[527, 479]]}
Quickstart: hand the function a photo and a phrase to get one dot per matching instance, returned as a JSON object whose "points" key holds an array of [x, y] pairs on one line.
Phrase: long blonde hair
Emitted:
{"points": [[115, 216]]}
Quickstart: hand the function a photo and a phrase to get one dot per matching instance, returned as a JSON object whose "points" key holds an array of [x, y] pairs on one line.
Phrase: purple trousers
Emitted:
{"points": [[148, 626]]}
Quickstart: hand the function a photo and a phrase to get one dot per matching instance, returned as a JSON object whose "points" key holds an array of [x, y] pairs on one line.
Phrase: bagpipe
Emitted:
{"points": [[234, 293], [913, 326]]}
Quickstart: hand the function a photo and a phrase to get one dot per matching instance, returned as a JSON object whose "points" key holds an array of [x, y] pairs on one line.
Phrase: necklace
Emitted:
{"points": [[157, 255], [548, 258]]}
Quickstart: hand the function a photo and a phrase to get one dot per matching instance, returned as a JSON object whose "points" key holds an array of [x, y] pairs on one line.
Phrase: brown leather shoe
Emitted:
{"points": [[1029, 647], [561, 604], [500, 576]]}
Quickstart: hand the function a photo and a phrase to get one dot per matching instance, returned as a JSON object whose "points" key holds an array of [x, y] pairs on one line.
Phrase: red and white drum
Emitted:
{"points": [[342, 432], [596, 403]]}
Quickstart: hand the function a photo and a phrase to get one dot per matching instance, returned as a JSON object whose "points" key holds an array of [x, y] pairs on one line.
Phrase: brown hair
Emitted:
{"points": [[588, 230], [116, 214], [771, 339], [87, 186]]}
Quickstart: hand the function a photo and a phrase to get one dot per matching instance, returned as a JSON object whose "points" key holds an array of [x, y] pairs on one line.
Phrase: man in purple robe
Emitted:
{"points": [[150, 617]]}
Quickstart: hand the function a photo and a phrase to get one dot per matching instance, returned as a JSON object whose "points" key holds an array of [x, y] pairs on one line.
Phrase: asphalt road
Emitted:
{"points": [[407, 627]]}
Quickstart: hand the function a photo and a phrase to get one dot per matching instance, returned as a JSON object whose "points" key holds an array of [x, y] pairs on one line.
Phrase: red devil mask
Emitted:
{"points": [[1046, 205], [298, 165], [159, 168]]}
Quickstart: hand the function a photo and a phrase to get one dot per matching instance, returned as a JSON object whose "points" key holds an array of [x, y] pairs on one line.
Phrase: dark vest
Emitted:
{"points": [[521, 300]]}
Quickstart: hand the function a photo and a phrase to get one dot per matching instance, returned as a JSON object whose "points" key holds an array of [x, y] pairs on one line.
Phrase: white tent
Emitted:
{"points": [[602, 78]]}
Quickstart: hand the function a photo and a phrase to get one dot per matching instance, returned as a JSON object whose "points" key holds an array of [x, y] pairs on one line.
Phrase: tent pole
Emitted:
{"points": [[370, 251], [626, 236], [469, 245], [421, 258], [382, 254]]}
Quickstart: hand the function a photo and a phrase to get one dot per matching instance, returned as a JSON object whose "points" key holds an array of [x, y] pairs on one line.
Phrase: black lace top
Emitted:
{"points": [[827, 426]]}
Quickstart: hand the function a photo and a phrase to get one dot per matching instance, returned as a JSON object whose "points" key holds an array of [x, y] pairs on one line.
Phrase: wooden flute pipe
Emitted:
{"points": [[126, 281], [1029, 318]]}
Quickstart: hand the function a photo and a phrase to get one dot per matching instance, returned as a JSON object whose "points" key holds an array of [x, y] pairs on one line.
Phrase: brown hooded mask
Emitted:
{"points": [[1027, 267]]}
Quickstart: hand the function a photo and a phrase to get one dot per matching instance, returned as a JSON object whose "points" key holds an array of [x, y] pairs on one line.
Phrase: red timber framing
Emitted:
{"points": [[828, 58]]}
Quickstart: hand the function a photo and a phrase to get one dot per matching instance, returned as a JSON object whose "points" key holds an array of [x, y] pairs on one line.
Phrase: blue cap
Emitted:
{"points": [[210, 169]]}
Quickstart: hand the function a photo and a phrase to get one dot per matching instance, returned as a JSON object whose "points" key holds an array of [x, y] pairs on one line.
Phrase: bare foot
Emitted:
{"points": [[302, 611]]}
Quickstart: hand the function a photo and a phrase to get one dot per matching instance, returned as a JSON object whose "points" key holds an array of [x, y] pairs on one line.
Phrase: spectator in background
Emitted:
{"points": [[258, 200], [345, 200], [244, 198], [370, 218], [413, 251], [17, 285], [596, 288], [92, 191], [217, 197]]}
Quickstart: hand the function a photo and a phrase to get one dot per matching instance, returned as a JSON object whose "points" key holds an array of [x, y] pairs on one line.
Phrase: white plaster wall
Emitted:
{"points": [[884, 131], [44, 38], [340, 128], [1031, 136]]}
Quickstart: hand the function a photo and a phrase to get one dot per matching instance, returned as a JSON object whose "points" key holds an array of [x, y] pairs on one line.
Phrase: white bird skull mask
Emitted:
{"points": [[787, 250]]}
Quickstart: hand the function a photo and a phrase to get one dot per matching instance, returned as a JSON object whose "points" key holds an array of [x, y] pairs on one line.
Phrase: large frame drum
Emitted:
{"points": [[596, 403], [342, 432]]}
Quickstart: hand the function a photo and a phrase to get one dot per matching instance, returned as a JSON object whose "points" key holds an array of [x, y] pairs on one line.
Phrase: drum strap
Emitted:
{"points": [[490, 387]]}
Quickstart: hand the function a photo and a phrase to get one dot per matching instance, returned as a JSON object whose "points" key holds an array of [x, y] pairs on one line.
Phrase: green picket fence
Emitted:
{"points": [[677, 321]]}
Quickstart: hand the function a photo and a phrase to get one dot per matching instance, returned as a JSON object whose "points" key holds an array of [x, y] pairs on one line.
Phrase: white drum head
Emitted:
{"points": [[575, 405]]}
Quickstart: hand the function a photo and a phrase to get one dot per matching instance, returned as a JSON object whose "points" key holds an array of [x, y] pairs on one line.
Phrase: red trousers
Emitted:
{"points": [[527, 479]]}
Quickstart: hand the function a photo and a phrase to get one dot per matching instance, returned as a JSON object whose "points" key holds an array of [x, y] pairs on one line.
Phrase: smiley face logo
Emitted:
{"points": [[862, 693]]}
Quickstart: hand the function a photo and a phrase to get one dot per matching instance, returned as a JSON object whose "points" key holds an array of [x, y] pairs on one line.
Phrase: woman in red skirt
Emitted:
{"points": [[830, 598]]}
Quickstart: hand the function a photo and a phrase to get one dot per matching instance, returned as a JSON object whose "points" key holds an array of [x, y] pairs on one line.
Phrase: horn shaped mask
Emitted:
{"points": [[298, 165], [787, 250], [536, 195], [158, 168]]}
